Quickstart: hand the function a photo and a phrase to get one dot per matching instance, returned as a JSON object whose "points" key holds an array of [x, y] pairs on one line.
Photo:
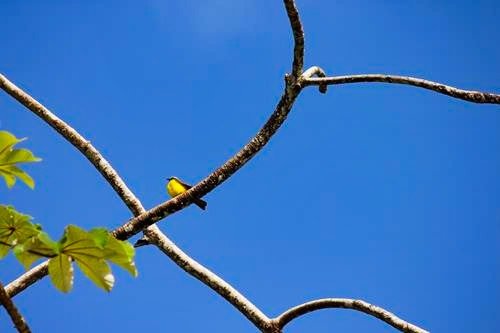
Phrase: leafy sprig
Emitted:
{"points": [[92, 251], [10, 158]]}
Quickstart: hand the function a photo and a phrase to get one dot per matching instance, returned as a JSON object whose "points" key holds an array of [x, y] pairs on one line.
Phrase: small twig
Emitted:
{"points": [[466, 95], [298, 37], [15, 315], [344, 303]]}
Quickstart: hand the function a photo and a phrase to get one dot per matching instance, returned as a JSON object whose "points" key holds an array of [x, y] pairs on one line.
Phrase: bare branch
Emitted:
{"points": [[345, 303], [144, 220], [15, 315], [298, 37], [203, 274], [153, 234], [466, 95], [82, 144], [27, 279], [222, 173]]}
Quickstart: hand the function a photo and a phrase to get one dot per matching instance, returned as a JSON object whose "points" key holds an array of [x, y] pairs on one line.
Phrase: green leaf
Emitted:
{"points": [[122, 254], [89, 256], [97, 270], [7, 141], [78, 243], [15, 228], [25, 257], [9, 178], [39, 246], [118, 252], [61, 272], [10, 157], [23, 176], [100, 236]]}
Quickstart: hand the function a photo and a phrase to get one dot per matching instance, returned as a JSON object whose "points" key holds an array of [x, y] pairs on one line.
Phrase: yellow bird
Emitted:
{"points": [[175, 186]]}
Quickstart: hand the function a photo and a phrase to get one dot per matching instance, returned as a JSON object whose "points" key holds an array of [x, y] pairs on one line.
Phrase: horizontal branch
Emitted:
{"points": [[466, 95], [15, 315], [344, 303]]}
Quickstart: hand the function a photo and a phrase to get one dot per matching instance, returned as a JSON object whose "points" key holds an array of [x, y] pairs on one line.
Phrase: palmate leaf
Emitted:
{"points": [[10, 157], [61, 272], [36, 247], [118, 252], [89, 256], [15, 228]]}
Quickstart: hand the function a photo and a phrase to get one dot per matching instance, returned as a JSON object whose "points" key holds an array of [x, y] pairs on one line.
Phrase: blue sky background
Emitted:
{"points": [[381, 192]]}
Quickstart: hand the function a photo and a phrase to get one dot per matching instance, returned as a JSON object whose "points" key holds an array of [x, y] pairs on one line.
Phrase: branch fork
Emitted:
{"points": [[145, 220]]}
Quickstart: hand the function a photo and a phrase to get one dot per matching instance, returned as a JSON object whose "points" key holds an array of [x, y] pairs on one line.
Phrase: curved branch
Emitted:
{"points": [[345, 303], [217, 177], [15, 315], [221, 287], [466, 95], [77, 140], [298, 37]]}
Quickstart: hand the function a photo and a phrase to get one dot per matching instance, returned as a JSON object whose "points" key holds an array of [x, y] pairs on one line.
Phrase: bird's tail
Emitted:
{"points": [[200, 203]]}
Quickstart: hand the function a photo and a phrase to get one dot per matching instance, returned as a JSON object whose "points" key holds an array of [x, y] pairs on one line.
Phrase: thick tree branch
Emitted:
{"points": [[15, 315], [466, 95], [344, 303], [298, 37]]}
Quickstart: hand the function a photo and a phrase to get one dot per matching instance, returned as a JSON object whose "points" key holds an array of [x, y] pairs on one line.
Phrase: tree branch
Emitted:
{"points": [[298, 37], [466, 95], [217, 177], [144, 220], [77, 140], [344, 303], [15, 315], [213, 281]]}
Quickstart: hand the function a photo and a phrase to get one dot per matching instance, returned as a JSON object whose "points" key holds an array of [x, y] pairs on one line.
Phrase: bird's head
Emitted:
{"points": [[170, 178]]}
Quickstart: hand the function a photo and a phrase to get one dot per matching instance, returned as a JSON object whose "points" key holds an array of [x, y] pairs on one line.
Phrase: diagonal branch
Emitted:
{"points": [[221, 287], [77, 140], [344, 303], [466, 95], [15, 315], [217, 177]]}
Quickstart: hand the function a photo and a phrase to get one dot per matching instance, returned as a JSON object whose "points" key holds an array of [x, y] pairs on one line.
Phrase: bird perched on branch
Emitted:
{"points": [[175, 186]]}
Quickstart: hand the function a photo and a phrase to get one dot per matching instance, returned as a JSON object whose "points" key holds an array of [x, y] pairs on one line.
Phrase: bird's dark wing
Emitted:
{"points": [[187, 186]]}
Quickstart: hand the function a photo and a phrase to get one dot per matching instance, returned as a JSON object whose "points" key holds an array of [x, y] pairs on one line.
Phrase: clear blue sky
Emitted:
{"points": [[381, 192]]}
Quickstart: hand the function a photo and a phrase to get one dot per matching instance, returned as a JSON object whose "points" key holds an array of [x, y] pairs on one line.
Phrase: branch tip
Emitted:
{"points": [[466, 95], [345, 303]]}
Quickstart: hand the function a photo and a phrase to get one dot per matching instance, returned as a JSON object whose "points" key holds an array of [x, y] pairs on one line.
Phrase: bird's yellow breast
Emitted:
{"points": [[174, 188]]}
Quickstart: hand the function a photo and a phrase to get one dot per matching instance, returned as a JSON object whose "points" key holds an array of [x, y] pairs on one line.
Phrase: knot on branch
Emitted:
{"points": [[314, 71]]}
